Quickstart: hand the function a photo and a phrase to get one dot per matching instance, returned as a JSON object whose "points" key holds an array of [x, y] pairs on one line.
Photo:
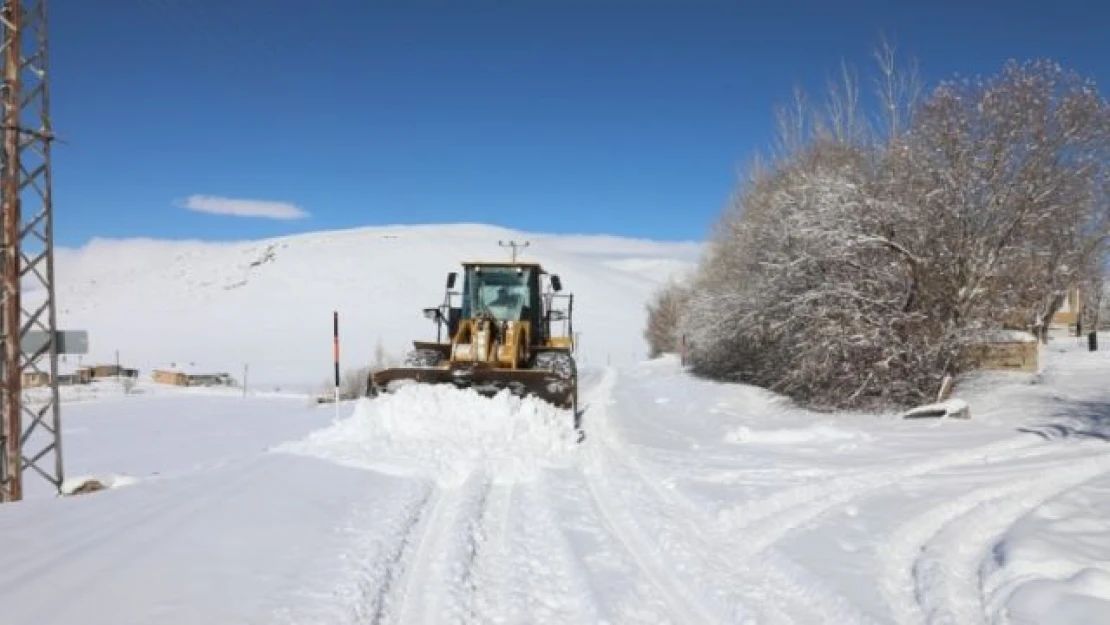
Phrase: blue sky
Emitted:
{"points": [[609, 116]]}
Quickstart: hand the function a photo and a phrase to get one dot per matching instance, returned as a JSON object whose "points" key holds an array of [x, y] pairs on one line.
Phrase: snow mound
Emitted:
{"points": [[446, 433], [93, 482], [952, 408], [816, 433], [1053, 563], [1075, 600]]}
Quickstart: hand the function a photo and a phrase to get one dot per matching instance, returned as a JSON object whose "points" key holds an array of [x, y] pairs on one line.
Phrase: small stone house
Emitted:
{"points": [[169, 376], [31, 379], [189, 375]]}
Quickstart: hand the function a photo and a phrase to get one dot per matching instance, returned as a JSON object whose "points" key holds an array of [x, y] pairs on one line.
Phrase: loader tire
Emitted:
{"points": [[423, 358], [561, 363]]}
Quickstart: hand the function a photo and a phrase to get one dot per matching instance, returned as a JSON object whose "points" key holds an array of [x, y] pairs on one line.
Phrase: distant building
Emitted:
{"points": [[81, 375], [169, 376], [112, 371], [189, 375], [32, 379], [1069, 312]]}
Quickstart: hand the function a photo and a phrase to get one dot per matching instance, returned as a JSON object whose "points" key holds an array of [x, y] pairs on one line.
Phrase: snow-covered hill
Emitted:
{"points": [[269, 303]]}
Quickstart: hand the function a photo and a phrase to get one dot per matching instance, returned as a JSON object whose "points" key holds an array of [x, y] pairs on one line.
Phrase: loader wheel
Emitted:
{"points": [[561, 363], [423, 358]]}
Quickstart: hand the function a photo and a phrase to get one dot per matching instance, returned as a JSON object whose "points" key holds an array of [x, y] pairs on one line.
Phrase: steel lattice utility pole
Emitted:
{"points": [[31, 432]]}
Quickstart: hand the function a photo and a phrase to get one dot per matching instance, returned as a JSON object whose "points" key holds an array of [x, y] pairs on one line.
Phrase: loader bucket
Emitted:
{"points": [[550, 387]]}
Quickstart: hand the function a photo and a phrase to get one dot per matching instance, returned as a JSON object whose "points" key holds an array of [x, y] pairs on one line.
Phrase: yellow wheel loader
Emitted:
{"points": [[502, 334]]}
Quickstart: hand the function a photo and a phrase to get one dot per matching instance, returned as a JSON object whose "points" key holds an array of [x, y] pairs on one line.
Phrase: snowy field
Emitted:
{"points": [[688, 502]]}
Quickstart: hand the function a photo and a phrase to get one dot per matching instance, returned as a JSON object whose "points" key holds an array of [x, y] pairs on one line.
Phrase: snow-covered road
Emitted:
{"points": [[688, 502]]}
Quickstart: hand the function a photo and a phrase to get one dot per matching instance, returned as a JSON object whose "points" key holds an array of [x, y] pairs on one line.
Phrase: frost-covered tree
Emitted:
{"points": [[857, 267], [1006, 176]]}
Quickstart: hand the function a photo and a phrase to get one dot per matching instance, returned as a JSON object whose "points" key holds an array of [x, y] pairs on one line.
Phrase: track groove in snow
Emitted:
{"points": [[556, 586], [948, 574], [386, 574], [496, 586], [681, 599], [433, 584], [731, 582], [626, 590]]}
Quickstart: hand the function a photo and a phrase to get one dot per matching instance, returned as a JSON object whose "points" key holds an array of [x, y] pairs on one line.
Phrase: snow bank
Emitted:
{"points": [[446, 433], [72, 485], [952, 408], [1055, 563]]}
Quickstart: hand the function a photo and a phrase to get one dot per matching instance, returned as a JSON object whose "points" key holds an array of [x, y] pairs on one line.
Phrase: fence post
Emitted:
{"points": [[335, 352]]}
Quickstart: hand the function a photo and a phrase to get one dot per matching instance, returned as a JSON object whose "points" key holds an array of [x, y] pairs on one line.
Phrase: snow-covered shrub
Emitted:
{"points": [[664, 312]]}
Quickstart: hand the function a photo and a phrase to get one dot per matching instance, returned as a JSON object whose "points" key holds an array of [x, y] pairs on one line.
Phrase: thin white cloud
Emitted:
{"points": [[266, 209]]}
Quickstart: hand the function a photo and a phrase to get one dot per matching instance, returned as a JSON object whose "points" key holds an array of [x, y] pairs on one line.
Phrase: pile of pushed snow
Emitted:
{"points": [[446, 433], [1052, 564]]}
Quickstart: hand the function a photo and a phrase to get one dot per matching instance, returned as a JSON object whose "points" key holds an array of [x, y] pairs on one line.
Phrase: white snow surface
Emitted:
{"points": [[268, 304], [689, 501]]}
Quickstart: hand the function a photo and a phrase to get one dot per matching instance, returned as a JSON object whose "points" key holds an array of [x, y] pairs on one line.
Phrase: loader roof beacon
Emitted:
{"points": [[505, 331]]}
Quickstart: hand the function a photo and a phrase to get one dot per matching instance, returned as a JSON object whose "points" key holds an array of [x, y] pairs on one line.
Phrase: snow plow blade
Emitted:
{"points": [[546, 385]]}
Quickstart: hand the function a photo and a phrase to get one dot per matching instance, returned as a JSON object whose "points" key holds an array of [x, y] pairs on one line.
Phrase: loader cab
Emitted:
{"points": [[507, 292]]}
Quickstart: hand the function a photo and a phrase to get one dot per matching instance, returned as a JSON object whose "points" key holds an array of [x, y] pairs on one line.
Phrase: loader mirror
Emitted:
{"points": [[432, 313], [451, 279], [556, 283]]}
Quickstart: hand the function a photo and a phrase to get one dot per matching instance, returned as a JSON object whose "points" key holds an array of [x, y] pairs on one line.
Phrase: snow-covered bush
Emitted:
{"points": [[856, 268], [664, 312]]}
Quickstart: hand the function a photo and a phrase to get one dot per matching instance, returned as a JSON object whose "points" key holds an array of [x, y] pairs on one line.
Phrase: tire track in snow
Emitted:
{"points": [[682, 601], [496, 583], [630, 593], [767, 521], [557, 592], [381, 570], [936, 572], [728, 581], [526, 571], [738, 579], [899, 555], [430, 580]]}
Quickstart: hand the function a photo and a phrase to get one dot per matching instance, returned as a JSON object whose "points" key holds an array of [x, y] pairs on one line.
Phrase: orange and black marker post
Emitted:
{"points": [[335, 350]]}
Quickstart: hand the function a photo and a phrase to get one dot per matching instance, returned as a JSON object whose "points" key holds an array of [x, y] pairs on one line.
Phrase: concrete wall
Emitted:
{"points": [[1007, 355]]}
